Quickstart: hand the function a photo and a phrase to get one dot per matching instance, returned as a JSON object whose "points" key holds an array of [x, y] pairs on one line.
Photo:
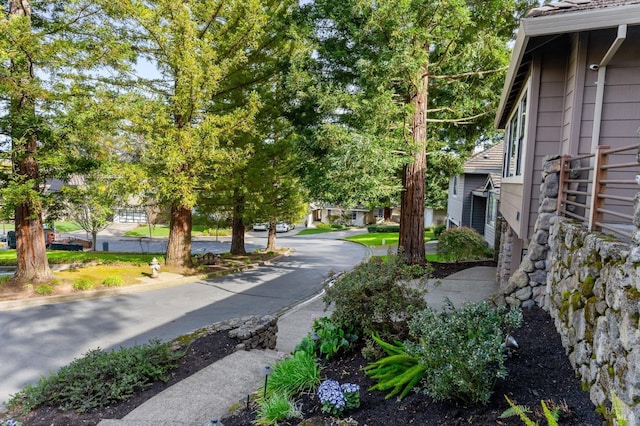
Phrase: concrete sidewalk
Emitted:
{"points": [[213, 391]]}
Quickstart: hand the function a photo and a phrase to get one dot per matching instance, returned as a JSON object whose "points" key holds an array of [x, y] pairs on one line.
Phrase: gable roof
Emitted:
{"points": [[487, 161], [543, 24]]}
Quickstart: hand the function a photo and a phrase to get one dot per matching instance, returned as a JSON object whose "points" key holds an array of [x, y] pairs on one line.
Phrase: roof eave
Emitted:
{"points": [[561, 23]]}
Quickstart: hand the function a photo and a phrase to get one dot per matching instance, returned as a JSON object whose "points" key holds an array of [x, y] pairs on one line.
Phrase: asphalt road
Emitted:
{"points": [[37, 340]]}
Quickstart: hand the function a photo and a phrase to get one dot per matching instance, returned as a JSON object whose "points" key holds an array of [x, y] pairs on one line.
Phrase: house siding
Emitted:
{"points": [[549, 129], [469, 212], [454, 203], [620, 117], [460, 207]]}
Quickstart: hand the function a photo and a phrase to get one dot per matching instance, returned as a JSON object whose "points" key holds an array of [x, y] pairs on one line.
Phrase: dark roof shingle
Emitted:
{"points": [[575, 5]]}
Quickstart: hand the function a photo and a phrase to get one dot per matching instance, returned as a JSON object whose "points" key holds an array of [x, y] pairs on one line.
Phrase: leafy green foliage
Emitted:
{"points": [[384, 227], [43, 289], [113, 281], [521, 411], [399, 371], [99, 378], [327, 338], [295, 374], [376, 297], [83, 284], [276, 407], [459, 244], [438, 230], [461, 349]]}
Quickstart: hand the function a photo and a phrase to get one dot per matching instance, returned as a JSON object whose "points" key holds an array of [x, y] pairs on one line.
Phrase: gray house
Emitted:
{"points": [[572, 88], [474, 194]]}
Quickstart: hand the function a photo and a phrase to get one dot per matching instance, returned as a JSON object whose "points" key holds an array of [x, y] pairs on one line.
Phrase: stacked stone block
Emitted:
{"points": [[250, 332]]}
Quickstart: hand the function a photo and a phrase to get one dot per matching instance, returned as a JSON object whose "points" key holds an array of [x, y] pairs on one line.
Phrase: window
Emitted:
{"points": [[455, 185], [492, 209], [515, 139]]}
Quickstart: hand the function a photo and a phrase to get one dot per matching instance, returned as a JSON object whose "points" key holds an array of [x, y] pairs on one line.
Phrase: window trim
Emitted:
{"points": [[522, 132]]}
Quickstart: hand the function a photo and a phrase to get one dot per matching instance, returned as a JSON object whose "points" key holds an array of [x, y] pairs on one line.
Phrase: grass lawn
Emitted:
{"points": [[322, 228], [162, 231], [8, 257], [128, 267], [375, 239], [311, 231]]}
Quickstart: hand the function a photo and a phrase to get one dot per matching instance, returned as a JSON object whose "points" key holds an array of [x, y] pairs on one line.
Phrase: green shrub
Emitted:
{"points": [[43, 289], [275, 408], [459, 244], [83, 284], [113, 281], [439, 229], [376, 298], [461, 349], [99, 378], [5, 279], [293, 375], [383, 227], [327, 338]]}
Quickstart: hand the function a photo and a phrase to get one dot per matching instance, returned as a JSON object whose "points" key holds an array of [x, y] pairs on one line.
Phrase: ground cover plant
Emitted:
{"points": [[99, 378]]}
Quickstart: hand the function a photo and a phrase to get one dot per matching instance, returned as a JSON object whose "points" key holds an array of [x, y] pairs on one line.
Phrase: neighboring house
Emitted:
{"points": [[474, 194], [357, 216], [434, 217], [573, 85]]}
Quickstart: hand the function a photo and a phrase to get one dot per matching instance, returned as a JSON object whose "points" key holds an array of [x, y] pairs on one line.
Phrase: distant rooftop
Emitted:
{"points": [[575, 5], [485, 161]]}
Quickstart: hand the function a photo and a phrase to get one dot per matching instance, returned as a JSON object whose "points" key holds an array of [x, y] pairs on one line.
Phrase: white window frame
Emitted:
{"points": [[515, 139]]}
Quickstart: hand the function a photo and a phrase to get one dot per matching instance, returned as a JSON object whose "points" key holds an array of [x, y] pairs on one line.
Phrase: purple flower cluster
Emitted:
{"points": [[335, 397]]}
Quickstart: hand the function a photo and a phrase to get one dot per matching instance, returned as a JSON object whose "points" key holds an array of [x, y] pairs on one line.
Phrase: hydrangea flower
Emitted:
{"points": [[335, 397]]}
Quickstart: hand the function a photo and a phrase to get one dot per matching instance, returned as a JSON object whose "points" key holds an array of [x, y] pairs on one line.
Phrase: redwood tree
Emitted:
{"points": [[392, 67], [47, 50]]}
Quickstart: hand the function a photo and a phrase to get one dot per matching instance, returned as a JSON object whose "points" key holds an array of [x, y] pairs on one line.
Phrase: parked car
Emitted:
{"points": [[283, 227], [260, 226]]}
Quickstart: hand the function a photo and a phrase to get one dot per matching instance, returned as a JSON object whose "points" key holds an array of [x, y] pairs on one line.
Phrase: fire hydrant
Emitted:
{"points": [[155, 267]]}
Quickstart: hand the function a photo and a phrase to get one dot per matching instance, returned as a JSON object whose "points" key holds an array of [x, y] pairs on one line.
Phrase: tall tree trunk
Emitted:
{"points": [[411, 239], [179, 245], [32, 264], [271, 237], [387, 214], [237, 224]]}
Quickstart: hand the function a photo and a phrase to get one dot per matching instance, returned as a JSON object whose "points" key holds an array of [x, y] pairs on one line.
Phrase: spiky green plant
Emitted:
{"points": [[293, 375], [398, 371], [276, 407]]}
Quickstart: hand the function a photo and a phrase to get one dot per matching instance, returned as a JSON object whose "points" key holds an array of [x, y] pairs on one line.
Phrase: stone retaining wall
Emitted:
{"points": [[250, 332], [527, 284], [594, 297]]}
